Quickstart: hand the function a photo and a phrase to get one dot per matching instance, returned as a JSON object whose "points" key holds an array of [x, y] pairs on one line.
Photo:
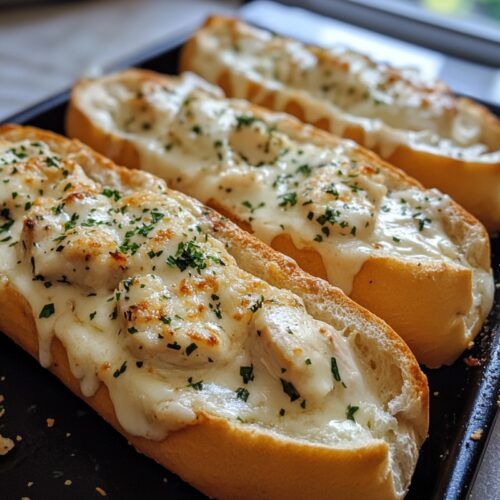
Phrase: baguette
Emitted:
{"points": [[444, 141], [221, 360], [411, 256]]}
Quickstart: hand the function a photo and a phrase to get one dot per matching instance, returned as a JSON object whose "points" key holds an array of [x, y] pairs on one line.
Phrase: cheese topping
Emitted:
{"points": [[147, 302], [325, 198], [392, 106]]}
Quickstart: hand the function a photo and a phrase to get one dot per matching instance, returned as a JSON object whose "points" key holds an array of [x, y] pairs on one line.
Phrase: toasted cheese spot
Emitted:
{"points": [[160, 329]]}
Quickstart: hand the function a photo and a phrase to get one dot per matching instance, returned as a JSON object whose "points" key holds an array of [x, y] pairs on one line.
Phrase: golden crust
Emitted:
{"points": [[475, 185], [217, 457], [431, 334]]}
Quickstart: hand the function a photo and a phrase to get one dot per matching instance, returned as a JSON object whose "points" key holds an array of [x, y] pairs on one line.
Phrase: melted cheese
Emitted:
{"points": [[392, 106], [348, 210], [145, 301]]}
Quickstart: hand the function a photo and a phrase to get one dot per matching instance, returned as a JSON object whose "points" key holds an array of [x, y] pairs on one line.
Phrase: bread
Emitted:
{"points": [[207, 350], [444, 141], [411, 256]]}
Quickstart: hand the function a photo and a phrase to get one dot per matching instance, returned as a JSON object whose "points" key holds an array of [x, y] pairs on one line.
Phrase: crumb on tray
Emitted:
{"points": [[6, 444]]}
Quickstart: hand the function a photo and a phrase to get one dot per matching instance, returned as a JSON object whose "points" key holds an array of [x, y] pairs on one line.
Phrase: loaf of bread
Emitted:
{"points": [[444, 141], [210, 352], [411, 256]]}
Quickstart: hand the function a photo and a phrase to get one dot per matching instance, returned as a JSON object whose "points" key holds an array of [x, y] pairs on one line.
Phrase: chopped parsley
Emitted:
{"points": [[47, 311], [191, 255], [350, 411], [244, 121], [257, 305], [111, 193], [335, 369], [242, 393], [190, 348], [289, 389], [120, 370], [197, 386], [246, 373], [288, 199]]}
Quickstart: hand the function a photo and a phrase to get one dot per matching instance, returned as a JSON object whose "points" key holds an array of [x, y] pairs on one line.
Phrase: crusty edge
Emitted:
{"points": [[218, 457], [475, 185], [428, 326]]}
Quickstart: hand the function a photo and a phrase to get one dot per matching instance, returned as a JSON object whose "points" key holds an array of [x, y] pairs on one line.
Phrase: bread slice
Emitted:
{"points": [[444, 141], [411, 256], [191, 354]]}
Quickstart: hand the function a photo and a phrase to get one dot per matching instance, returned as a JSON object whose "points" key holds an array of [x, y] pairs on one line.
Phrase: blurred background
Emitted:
{"points": [[45, 46]]}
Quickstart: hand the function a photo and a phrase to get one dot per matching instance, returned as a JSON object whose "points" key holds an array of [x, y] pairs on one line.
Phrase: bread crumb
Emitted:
{"points": [[30, 484], [2, 398], [497, 286], [471, 361], [470, 345], [6, 444], [101, 491], [436, 393], [2, 378], [68, 434], [25, 498], [68, 482], [19, 438], [2, 412], [50, 422], [477, 435]]}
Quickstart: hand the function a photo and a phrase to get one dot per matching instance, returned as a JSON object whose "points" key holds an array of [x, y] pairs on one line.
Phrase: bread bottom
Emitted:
{"points": [[218, 458]]}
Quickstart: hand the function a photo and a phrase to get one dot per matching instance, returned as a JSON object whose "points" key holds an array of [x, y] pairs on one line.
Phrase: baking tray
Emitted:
{"points": [[80, 447]]}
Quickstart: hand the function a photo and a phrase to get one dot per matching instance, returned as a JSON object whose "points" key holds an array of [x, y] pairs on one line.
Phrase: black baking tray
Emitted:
{"points": [[83, 449]]}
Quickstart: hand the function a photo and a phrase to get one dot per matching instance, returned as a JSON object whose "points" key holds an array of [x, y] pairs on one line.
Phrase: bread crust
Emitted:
{"points": [[222, 459], [475, 185], [430, 333]]}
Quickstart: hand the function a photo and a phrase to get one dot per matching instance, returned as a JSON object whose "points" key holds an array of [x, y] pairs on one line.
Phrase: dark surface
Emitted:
{"points": [[95, 455]]}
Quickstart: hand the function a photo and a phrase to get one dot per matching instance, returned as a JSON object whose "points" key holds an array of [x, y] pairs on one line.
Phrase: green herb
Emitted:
{"points": [[289, 389], [242, 393], [288, 199], [132, 330], [351, 410], [305, 170], [257, 305], [308, 361], [330, 216], [47, 311], [187, 255], [244, 121], [166, 320], [120, 370], [175, 346], [190, 348], [197, 386], [111, 193], [246, 373], [335, 369], [251, 207], [331, 189]]}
